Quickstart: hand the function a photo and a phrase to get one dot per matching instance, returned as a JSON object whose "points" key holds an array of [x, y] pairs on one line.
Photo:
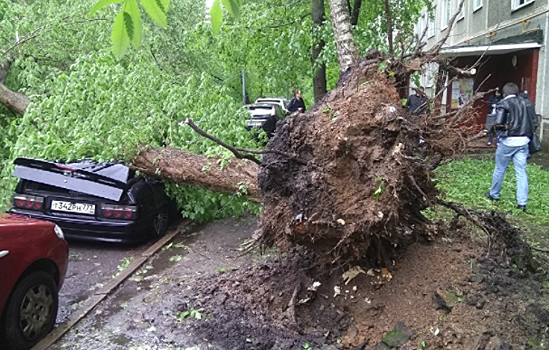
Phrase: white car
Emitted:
{"points": [[282, 102]]}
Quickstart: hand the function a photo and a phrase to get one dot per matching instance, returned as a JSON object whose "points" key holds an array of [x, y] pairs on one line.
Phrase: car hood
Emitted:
{"points": [[7, 219]]}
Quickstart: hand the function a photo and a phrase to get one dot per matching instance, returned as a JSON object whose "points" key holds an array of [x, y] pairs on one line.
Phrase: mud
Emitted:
{"points": [[450, 293]]}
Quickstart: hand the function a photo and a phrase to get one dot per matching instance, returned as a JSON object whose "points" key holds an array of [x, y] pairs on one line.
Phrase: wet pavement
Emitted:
{"points": [[129, 317], [91, 266]]}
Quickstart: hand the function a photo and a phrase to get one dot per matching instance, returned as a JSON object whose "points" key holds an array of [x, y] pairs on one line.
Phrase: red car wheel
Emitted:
{"points": [[31, 311]]}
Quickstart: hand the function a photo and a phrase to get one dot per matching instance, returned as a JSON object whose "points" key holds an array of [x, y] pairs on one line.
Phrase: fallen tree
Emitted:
{"points": [[351, 176], [198, 170]]}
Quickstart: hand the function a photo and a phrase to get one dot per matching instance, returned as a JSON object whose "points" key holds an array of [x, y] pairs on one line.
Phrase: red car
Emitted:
{"points": [[33, 262]]}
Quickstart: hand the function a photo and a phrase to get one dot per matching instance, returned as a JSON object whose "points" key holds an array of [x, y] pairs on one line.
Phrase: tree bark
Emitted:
{"points": [[319, 80], [389, 20], [198, 170], [15, 101], [347, 52]]}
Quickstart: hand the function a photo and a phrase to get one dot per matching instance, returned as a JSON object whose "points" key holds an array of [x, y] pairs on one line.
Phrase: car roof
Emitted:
{"points": [[273, 99]]}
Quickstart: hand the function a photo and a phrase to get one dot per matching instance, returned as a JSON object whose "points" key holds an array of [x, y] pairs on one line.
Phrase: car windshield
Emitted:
{"points": [[275, 101], [261, 110]]}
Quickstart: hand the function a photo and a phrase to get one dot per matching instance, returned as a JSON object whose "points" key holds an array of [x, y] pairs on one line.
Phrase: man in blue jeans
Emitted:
{"points": [[516, 120]]}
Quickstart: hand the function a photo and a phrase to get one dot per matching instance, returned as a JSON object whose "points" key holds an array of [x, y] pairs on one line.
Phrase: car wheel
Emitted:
{"points": [[31, 311], [160, 222]]}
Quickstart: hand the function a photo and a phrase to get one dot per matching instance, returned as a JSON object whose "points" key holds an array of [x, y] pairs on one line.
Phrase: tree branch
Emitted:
{"points": [[239, 152], [236, 153], [435, 49], [287, 24]]}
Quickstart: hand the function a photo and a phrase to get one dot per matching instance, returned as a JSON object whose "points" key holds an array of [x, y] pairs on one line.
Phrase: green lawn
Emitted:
{"points": [[467, 179]]}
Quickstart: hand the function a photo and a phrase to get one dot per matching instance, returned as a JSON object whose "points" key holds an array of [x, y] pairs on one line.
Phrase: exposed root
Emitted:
{"points": [[503, 236]]}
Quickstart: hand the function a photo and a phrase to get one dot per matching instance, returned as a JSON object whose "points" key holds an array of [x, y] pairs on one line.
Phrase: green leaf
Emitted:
{"points": [[165, 4], [233, 6], [119, 37], [102, 3], [216, 14], [156, 10], [132, 9]]}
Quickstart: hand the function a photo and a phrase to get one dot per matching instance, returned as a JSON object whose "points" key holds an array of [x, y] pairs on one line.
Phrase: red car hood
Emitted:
{"points": [[10, 219]]}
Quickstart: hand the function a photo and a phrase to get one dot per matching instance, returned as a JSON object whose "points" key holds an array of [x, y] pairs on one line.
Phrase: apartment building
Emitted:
{"points": [[505, 40]]}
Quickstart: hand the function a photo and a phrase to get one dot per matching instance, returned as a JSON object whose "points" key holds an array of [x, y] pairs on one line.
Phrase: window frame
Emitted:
{"points": [[515, 6], [479, 6], [432, 23], [422, 24], [445, 14]]}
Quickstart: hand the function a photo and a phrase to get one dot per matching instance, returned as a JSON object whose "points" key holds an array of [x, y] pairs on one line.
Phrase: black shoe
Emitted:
{"points": [[489, 196], [521, 207]]}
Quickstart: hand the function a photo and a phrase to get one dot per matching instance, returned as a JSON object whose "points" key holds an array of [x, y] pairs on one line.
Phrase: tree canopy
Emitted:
{"points": [[90, 101]]}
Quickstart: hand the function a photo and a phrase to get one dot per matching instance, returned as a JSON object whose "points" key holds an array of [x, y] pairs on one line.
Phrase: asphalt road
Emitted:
{"points": [[90, 267]]}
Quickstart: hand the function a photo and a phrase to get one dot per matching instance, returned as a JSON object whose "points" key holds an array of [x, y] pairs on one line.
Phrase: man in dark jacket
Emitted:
{"points": [[418, 103], [297, 104], [516, 119], [492, 103]]}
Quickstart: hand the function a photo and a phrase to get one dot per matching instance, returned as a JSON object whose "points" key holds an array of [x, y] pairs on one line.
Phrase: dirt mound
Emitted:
{"points": [[363, 185], [447, 294], [254, 308]]}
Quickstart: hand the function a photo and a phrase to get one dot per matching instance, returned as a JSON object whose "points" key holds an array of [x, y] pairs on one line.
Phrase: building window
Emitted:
{"points": [[516, 4], [432, 23], [445, 13], [461, 14], [422, 24], [477, 4]]}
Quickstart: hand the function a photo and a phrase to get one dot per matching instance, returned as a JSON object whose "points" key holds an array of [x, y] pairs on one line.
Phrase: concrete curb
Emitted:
{"points": [[102, 293]]}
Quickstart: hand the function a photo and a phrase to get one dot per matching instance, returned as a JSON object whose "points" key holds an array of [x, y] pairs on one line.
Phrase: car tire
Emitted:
{"points": [[30, 312], [160, 222]]}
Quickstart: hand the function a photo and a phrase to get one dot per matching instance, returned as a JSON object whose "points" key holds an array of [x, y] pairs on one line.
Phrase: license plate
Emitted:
{"points": [[80, 208], [255, 123]]}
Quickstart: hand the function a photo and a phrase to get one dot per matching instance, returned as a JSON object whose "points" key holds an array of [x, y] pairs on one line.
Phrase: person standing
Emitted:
{"points": [[492, 103], [516, 120], [297, 104], [418, 103]]}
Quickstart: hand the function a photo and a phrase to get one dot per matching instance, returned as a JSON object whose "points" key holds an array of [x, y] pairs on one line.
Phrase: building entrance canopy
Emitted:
{"points": [[487, 50]]}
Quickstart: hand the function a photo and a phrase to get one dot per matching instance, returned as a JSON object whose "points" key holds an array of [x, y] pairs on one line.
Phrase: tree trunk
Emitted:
{"points": [[356, 12], [319, 80], [198, 170], [389, 19], [347, 52], [15, 101]]}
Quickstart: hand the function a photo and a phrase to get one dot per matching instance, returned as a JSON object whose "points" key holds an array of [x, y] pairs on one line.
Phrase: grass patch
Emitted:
{"points": [[467, 179]]}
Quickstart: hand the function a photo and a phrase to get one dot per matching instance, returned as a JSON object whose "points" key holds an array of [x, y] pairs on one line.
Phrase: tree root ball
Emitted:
{"points": [[364, 184]]}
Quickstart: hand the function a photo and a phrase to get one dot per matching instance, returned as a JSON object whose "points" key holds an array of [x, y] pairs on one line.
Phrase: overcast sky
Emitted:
{"points": [[209, 3]]}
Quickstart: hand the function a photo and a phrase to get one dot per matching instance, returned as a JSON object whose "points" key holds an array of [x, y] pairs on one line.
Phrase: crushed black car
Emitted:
{"points": [[93, 201]]}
